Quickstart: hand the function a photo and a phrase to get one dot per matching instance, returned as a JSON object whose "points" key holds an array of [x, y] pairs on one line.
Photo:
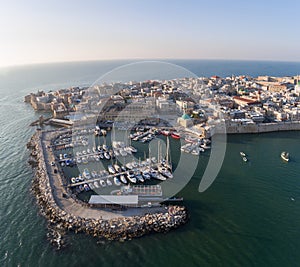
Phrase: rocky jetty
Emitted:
{"points": [[121, 228]]}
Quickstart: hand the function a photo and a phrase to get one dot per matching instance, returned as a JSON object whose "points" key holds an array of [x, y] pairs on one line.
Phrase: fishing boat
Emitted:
{"points": [[285, 156], [175, 135]]}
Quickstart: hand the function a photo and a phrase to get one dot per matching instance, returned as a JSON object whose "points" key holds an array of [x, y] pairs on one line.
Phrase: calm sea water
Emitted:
{"points": [[248, 217]]}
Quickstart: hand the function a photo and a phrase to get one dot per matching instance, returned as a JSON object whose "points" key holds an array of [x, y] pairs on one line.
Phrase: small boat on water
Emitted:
{"points": [[245, 159], [109, 183], [242, 154], [285, 156]]}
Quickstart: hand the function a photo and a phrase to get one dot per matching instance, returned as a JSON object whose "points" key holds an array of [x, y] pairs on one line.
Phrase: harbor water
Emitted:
{"points": [[248, 217]]}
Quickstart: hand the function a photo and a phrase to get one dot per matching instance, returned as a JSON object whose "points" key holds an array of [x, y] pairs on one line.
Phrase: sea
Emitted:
{"points": [[249, 216]]}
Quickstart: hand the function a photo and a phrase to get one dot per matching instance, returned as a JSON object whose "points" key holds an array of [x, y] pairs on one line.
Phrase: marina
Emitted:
{"points": [[137, 205], [103, 167]]}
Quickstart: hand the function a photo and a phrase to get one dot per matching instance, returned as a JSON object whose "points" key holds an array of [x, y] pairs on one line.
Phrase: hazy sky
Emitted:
{"points": [[50, 31]]}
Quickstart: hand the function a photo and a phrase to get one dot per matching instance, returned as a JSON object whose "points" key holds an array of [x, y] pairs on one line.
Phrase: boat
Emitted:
{"points": [[165, 172], [96, 184], [122, 152], [91, 185], [111, 169], [190, 139], [86, 187], [117, 168], [123, 179], [109, 183], [165, 133], [133, 149], [175, 135], [140, 178], [242, 154], [102, 183], [131, 177], [106, 155], [245, 159], [146, 175], [117, 181], [285, 156]]}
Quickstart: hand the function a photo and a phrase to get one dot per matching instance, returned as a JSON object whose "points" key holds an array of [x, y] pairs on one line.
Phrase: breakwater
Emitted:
{"points": [[117, 228]]}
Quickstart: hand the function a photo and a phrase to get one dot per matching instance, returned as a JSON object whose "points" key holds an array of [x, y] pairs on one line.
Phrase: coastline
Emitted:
{"points": [[65, 213]]}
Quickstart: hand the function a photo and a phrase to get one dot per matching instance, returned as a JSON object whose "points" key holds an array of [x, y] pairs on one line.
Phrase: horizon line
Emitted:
{"points": [[142, 59]]}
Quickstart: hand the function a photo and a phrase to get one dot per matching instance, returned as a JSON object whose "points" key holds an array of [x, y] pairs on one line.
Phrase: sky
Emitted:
{"points": [[58, 31]]}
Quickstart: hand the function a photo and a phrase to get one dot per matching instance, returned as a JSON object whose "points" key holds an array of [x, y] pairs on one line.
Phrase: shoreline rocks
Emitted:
{"points": [[121, 228]]}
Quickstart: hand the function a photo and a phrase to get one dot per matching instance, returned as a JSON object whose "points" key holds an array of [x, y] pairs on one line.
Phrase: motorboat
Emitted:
{"points": [[86, 187], [146, 175], [165, 133], [285, 156], [123, 179], [111, 169], [131, 177], [102, 183], [106, 155], [109, 183], [165, 172], [245, 159], [175, 135], [242, 154], [140, 178], [133, 149], [117, 181], [117, 168]]}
